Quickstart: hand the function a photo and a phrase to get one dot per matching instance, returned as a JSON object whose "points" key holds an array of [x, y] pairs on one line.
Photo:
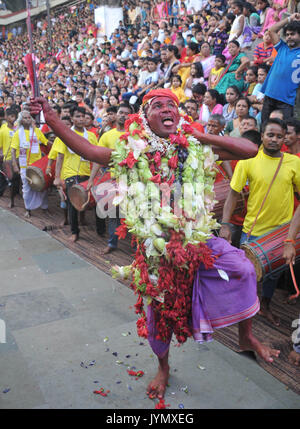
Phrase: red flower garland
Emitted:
{"points": [[176, 275]]}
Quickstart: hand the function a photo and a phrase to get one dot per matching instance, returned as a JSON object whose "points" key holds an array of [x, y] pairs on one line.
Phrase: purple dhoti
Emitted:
{"points": [[222, 296]]}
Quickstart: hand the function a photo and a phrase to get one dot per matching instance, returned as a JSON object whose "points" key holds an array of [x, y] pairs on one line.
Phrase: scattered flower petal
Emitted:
{"points": [[136, 374], [161, 405], [101, 392]]}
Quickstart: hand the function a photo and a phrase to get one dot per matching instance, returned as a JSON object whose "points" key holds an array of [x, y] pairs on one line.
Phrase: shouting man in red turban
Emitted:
{"points": [[160, 122]]}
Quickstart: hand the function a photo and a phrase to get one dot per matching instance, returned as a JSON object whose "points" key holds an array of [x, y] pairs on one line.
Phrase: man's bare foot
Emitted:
{"points": [[27, 213], [294, 358], [248, 342], [157, 387], [108, 250], [263, 351], [74, 237]]}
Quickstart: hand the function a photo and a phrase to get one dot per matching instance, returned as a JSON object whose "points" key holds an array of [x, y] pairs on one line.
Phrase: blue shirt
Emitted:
{"points": [[283, 79]]}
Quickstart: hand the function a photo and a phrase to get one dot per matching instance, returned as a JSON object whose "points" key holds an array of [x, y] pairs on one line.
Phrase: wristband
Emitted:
{"points": [[224, 223], [290, 241]]}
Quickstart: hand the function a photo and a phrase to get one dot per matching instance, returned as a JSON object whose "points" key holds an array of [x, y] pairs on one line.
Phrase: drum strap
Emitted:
{"points": [[264, 200]]}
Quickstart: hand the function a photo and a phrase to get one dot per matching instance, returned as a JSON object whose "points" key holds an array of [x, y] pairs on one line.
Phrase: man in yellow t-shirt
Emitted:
{"points": [[25, 146], [8, 177], [278, 207], [53, 154], [71, 168], [109, 140]]}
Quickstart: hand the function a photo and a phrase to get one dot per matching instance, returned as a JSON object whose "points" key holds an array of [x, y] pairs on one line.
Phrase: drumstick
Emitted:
{"points": [[29, 60], [294, 282]]}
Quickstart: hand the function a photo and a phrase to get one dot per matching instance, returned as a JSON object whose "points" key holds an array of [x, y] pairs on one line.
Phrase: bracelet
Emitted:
{"points": [[224, 223], [290, 241]]}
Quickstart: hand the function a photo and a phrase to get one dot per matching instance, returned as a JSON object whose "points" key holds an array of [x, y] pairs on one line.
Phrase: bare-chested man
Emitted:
{"points": [[162, 114]]}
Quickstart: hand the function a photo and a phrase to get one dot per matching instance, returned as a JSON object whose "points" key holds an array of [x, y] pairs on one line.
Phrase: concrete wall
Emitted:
{"points": [[6, 19]]}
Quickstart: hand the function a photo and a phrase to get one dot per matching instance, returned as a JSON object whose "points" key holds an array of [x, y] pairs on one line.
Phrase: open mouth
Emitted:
{"points": [[168, 121]]}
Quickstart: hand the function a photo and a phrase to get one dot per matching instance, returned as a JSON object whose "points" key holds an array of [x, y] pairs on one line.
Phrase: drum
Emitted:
{"points": [[221, 192], [266, 252], [36, 174], [82, 199]]}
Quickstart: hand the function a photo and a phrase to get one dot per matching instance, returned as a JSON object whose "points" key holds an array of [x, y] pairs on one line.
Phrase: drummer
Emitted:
{"points": [[75, 169], [265, 213], [52, 157], [6, 134], [25, 147], [109, 140]]}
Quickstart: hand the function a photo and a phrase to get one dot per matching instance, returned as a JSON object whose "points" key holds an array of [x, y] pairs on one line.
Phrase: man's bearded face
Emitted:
{"points": [[163, 116]]}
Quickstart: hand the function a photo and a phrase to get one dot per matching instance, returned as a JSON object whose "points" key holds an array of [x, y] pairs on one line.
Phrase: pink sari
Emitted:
{"points": [[269, 21]]}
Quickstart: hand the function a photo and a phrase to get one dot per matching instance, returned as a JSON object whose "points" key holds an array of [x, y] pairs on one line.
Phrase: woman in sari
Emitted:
{"points": [[207, 60], [233, 73], [242, 108], [210, 106]]}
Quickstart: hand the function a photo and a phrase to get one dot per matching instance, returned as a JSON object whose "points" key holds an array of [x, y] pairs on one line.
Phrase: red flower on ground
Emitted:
{"points": [[161, 405], [101, 392], [136, 374]]}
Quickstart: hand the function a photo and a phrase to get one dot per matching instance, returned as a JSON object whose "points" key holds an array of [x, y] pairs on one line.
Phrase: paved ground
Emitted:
{"points": [[70, 330]]}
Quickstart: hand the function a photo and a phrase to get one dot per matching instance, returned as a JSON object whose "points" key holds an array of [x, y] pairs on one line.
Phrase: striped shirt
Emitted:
{"points": [[260, 53]]}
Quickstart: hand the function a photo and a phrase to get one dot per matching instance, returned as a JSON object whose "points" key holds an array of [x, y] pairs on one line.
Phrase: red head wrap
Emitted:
{"points": [[163, 92]]}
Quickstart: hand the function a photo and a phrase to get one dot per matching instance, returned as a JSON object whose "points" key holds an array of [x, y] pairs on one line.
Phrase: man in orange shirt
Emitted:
{"points": [[191, 108], [292, 137]]}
